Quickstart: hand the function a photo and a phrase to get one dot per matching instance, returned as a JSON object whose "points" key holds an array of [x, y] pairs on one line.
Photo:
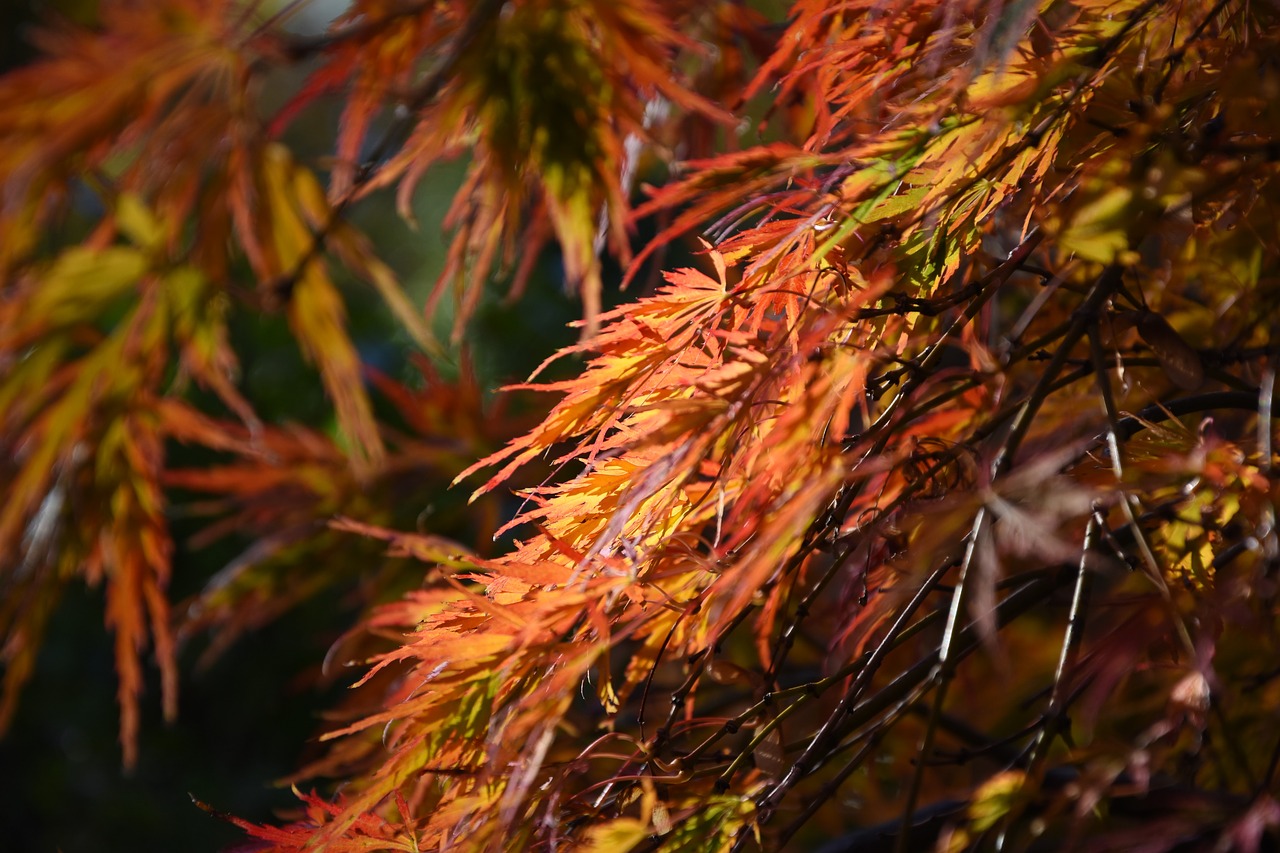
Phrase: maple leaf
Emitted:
{"points": [[739, 439], [946, 458], [550, 154], [292, 491]]}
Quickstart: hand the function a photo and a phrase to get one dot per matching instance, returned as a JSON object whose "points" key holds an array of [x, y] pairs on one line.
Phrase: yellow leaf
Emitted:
{"points": [[316, 312], [137, 222], [318, 320], [1099, 230], [616, 836], [21, 390], [996, 798], [83, 283]]}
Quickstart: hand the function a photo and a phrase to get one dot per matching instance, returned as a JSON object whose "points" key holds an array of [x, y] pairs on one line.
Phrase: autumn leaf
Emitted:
{"points": [[923, 490]]}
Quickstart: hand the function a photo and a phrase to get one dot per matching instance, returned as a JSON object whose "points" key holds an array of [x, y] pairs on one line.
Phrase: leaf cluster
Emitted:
{"points": [[932, 506]]}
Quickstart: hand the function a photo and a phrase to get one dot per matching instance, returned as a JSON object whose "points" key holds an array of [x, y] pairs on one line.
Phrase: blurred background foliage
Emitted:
{"points": [[245, 710]]}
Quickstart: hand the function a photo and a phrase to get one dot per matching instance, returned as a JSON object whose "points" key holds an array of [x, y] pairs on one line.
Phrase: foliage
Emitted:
{"points": [[934, 502]]}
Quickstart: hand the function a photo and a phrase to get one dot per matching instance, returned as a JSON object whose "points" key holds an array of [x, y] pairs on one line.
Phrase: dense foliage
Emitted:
{"points": [[931, 504]]}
